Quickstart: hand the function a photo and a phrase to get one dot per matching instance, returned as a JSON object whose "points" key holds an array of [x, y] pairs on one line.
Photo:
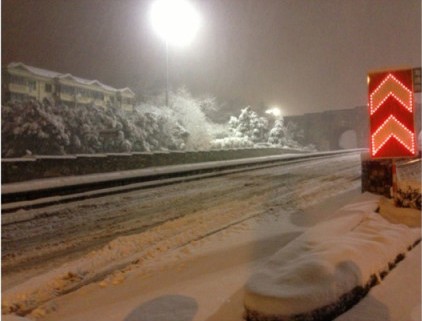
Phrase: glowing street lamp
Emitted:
{"points": [[275, 111], [176, 22]]}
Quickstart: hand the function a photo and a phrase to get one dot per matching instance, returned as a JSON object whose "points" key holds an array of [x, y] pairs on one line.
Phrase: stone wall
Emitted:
{"points": [[36, 167]]}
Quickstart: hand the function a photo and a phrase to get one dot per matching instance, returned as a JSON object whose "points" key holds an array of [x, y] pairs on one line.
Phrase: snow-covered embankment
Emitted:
{"points": [[328, 269]]}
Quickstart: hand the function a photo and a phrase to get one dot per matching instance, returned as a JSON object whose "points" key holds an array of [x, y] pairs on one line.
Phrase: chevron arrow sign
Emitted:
{"points": [[391, 114]]}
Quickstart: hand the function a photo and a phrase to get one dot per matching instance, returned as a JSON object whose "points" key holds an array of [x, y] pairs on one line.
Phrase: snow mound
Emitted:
{"points": [[404, 215], [327, 269]]}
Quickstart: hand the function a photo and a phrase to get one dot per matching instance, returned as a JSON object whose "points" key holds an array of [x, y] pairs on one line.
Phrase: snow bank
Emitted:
{"points": [[408, 216], [327, 269]]}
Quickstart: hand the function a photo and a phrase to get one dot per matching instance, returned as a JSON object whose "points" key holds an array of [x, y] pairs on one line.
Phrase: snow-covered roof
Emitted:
{"points": [[127, 90], [34, 70], [83, 81], [53, 74]]}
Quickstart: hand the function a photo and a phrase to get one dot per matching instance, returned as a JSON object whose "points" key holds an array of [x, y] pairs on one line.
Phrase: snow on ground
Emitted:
{"points": [[397, 298], [63, 233], [198, 264], [221, 263], [324, 266], [204, 280]]}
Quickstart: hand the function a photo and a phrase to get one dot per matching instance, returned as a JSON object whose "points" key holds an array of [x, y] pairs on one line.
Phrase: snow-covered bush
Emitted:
{"points": [[282, 135], [46, 128], [277, 133], [149, 129], [231, 142], [249, 125], [287, 136], [58, 129], [189, 114], [251, 130], [32, 127], [218, 131]]}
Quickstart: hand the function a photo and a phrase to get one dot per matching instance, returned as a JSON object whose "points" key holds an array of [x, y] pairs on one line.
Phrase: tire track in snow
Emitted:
{"points": [[68, 234]]}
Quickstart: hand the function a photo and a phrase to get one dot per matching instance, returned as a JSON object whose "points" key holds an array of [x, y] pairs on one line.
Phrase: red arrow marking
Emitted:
{"points": [[390, 86], [392, 128]]}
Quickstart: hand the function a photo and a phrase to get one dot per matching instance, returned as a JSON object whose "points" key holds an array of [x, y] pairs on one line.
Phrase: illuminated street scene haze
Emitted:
{"points": [[211, 160]]}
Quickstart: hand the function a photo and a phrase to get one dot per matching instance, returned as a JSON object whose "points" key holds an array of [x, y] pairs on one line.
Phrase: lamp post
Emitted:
{"points": [[167, 73], [176, 22]]}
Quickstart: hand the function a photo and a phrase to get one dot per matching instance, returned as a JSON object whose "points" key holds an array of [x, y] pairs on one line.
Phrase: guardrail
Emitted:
{"points": [[40, 192], [44, 166]]}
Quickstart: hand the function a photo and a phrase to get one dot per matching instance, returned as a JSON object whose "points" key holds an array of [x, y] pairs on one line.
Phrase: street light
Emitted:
{"points": [[275, 111], [176, 22]]}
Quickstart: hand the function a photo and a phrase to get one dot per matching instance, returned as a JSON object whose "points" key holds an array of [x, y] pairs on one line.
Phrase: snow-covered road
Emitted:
{"points": [[69, 231], [103, 243]]}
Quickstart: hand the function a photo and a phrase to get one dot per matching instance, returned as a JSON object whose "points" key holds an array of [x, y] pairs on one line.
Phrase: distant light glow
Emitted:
{"points": [[275, 111], [175, 21]]}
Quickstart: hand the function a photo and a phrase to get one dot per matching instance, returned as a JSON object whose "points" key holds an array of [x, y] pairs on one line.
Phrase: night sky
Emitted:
{"points": [[302, 55]]}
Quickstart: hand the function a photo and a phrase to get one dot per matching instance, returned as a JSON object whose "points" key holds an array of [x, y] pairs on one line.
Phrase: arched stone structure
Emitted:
{"points": [[348, 139], [325, 128]]}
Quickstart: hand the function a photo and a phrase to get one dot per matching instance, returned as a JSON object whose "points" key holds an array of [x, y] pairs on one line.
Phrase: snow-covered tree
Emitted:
{"points": [[32, 127], [188, 112], [283, 135], [151, 129], [288, 136], [46, 128], [249, 125], [212, 108], [277, 134]]}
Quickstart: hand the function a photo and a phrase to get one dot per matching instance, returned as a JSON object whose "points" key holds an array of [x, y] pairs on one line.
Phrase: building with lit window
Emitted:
{"points": [[22, 82]]}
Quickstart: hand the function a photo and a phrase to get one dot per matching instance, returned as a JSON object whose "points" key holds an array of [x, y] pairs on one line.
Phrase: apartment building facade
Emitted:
{"points": [[22, 82]]}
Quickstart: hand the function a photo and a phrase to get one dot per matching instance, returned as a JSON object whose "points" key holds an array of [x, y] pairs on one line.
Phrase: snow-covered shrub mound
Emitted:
{"points": [[280, 135], [55, 129], [250, 129], [249, 125], [327, 269], [188, 112], [152, 129], [32, 125], [44, 128], [231, 142]]}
